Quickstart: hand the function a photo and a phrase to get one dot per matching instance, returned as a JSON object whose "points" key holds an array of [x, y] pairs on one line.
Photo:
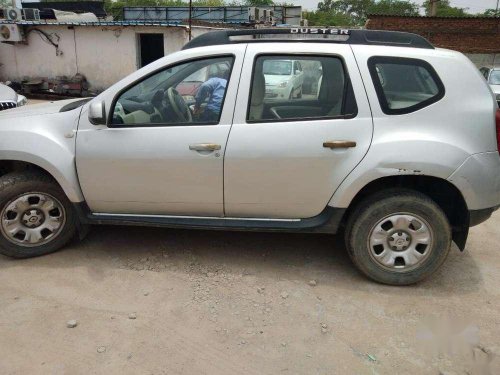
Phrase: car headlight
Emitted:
{"points": [[21, 100], [283, 84]]}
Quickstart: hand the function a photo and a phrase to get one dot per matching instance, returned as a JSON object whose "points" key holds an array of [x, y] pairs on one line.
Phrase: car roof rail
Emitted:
{"points": [[311, 34]]}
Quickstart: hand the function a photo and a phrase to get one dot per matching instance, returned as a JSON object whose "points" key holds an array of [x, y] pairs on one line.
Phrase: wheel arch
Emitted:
{"points": [[22, 161], [442, 192]]}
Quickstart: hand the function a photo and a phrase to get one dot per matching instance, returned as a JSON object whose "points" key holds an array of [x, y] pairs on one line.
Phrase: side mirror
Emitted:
{"points": [[97, 113]]}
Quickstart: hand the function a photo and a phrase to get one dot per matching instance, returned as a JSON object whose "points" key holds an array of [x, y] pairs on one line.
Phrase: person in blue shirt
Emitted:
{"points": [[214, 88]]}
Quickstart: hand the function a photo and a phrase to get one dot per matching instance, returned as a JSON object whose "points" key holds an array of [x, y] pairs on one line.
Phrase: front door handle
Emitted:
{"points": [[204, 147], [339, 144]]}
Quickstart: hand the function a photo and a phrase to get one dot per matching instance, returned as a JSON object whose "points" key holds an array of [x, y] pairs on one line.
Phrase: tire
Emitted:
{"points": [[398, 236], [35, 207], [299, 94]]}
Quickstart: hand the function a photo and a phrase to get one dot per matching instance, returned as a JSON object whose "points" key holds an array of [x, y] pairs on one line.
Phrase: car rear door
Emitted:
{"points": [[286, 158]]}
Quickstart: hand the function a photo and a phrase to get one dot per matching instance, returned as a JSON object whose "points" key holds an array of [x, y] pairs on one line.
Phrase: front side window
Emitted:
{"points": [[299, 88], [404, 85], [186, 94]]}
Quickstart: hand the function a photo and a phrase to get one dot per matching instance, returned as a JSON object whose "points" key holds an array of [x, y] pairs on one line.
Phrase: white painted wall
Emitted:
{"points": [[103, 55]]}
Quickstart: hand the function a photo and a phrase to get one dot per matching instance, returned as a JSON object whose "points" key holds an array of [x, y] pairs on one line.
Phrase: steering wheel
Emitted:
{"points": [[179, 106]]}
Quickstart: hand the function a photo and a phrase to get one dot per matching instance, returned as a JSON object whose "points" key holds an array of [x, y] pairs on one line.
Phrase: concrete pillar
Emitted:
{"points": [[433, 4]]}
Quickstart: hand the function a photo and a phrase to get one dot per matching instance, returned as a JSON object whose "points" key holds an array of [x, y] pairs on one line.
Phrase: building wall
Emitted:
{"points": [[477, 37], [485, 59], [103, 55]]}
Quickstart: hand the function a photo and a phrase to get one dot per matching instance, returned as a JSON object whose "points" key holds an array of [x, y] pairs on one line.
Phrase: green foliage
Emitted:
{"points": [[257, 3], [329, 18], [356, 11], [491, 13], [444, 9], [394, 8]]}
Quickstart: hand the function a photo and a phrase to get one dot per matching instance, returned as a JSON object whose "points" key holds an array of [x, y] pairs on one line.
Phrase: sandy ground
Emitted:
{"points": [[241, 303]]}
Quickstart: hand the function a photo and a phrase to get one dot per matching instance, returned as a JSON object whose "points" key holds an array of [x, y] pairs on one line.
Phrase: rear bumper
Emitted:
{"points": [[478, 179], [477, 217]]}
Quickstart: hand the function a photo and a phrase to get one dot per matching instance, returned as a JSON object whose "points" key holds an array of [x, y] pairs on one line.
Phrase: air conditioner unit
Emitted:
{"points": [[11, 33], [266, 15], [253, 14], [270, 16], [31, 14], [12, 14]]}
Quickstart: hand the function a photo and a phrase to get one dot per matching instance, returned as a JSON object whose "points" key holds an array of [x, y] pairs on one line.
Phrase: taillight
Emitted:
{"points": [[497, 117]]}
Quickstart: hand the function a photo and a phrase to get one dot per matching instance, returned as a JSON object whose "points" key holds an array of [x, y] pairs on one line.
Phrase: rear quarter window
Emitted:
{"points": [[404, 85]]}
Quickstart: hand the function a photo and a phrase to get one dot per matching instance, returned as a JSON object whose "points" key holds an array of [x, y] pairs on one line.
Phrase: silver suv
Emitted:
{"points": [[384, 148]]}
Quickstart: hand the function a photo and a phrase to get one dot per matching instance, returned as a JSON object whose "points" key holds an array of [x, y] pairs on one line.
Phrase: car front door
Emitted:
{"points": [[286, 158], [161, 152]]}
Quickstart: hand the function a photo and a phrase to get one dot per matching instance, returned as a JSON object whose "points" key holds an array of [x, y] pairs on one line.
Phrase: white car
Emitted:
{"points": [[492, 76], [284, 79], [9, 98]]}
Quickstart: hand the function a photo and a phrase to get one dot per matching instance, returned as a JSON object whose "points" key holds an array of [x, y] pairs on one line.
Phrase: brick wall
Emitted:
{"points": [[467, 35]]}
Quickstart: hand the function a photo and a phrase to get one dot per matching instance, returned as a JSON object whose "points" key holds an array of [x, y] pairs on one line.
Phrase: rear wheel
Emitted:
{"points": [[398, 237], [36, 218]]}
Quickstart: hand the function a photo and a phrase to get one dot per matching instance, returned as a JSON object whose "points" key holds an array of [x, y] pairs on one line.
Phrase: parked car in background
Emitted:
{"points": [[284, 79], [9, 98], [492, 76], [381, 152]]}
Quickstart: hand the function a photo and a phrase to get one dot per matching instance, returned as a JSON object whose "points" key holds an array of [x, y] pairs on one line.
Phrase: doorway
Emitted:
{"points": [[151, 48]]}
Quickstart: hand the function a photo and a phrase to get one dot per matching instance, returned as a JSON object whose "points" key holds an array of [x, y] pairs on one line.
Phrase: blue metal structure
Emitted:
{"points": [[290, 15]]}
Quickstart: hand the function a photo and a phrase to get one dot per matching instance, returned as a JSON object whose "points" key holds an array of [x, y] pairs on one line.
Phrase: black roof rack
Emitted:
{"points": [[310, 34]]}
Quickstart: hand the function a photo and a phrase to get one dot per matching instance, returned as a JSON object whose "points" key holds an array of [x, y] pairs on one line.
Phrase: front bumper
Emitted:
{"points": [[276, 92]]}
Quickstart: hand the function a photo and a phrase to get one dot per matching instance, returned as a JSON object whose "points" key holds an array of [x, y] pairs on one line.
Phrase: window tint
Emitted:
{"points": [[404, 85], [188, 93], [299, 88]]}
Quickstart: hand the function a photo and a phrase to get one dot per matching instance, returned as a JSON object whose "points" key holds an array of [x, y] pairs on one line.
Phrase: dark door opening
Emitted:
{"points": [[151, 47]]}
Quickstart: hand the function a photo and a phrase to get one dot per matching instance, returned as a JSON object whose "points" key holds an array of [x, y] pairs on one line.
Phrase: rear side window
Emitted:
{"points": [[404, 85], [300, 88]]}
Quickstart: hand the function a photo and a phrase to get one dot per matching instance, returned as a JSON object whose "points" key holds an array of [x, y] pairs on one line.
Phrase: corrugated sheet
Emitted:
{"points": [[99, 23]]}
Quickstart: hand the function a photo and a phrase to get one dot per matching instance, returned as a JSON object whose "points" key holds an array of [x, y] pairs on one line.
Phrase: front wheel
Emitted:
{"points": [[398, 237], [36, 218]]}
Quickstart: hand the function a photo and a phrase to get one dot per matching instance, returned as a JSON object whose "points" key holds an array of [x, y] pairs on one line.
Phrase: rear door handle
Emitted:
{"points": [[339, 144], [204, 147]]}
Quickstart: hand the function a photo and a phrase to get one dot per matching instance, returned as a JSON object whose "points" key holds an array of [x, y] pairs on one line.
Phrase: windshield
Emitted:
{"points": [[495, 77], [278, 67]]}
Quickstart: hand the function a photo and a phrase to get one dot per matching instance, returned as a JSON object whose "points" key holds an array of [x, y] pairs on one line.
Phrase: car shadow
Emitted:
{"points": [[282, 256]]}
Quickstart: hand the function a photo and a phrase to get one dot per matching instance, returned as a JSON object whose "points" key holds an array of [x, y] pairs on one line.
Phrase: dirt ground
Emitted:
{"points": [[242, 303]]}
